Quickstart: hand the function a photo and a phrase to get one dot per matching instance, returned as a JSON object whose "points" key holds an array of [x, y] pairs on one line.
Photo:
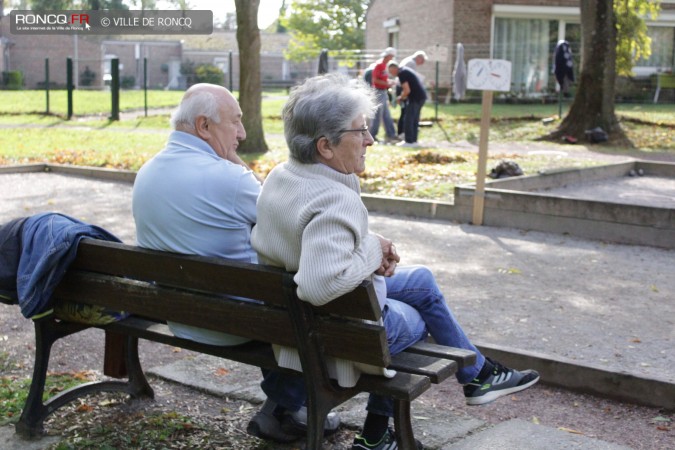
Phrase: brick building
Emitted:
{"points": [[524, 32], [165, 56]]}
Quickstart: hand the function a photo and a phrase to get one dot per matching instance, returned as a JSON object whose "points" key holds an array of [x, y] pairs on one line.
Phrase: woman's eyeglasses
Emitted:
{"points": [[363, 131]]}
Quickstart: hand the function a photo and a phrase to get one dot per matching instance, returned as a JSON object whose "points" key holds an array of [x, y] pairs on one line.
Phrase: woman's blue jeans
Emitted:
{"points": [[414, 307]]}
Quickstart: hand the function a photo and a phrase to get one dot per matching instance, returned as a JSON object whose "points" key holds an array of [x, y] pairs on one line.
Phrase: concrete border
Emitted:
{"points": [[508, 204], [586, 378]]}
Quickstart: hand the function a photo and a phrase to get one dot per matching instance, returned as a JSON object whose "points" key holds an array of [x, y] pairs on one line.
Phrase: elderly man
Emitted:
{"points": [[381, 83], [413, 96], [198, 197], [413, 62]]}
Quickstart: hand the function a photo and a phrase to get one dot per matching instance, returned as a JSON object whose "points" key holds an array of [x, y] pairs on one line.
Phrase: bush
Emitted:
{"points": [[208, 73], [202, 73], [12, 80], [127, 82], [87, 77]]}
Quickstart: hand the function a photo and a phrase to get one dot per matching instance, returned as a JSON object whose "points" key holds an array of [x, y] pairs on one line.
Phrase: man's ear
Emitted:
{"points": [[324, 148], [202, 127]]}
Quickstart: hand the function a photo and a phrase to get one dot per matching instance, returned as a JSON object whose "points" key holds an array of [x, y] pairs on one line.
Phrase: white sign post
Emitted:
{"points": [[487, 75]]}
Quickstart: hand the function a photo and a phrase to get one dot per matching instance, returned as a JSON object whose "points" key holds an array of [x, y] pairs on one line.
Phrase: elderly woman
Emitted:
{"points": [[311, 221]]}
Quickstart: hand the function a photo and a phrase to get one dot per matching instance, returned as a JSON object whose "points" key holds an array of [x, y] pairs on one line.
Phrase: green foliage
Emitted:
{"points": [[87, 77], [85, 102], [430, 172], [315, 25], [13, 392], [633, 42], [208, 73], [12, 79], [202, 73]]}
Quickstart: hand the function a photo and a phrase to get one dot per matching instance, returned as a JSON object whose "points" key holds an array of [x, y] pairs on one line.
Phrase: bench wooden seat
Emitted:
{"points": [[156, 287]]}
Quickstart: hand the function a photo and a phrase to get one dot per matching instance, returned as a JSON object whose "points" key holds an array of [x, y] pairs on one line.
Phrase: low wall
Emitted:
{"points": [[508, 203]]}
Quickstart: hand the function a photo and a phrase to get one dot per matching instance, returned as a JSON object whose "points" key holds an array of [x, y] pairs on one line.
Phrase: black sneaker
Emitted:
{"points": [[387, 442], [499, 382]]}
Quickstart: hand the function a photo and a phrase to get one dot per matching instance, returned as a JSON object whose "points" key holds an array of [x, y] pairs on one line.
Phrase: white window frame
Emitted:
{"points": [[571, 14], [563, 14]]}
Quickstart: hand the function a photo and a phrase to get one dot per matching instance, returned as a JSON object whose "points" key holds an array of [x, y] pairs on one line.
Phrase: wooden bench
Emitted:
{"points": [[157, 287]]}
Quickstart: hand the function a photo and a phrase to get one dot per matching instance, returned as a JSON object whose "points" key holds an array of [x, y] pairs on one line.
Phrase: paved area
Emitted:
{"points": [[651, 191], [600, 305]]}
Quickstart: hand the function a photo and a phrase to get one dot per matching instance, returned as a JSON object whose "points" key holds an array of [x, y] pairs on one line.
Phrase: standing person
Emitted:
{"points": [[414, 96], [413, 62], [381, 83], [311, 221], [198, 197]]}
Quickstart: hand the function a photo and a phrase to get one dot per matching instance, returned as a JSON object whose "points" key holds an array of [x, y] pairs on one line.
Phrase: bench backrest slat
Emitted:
{"points": [[209, 274]]}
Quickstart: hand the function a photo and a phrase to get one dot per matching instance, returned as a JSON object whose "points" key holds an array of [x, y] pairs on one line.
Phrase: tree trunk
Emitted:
{"points": [[593, 104], [250, 88]]}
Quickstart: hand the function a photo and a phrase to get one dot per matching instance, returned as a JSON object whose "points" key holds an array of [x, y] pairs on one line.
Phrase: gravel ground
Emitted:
{"points": [[514, 287]]}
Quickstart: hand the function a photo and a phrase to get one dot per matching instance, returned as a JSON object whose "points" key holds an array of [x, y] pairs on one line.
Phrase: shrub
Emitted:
{"points": [[12, 79]]}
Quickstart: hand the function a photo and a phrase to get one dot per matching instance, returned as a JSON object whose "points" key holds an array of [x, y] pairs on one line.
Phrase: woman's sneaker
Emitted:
{"points": [[498, 382], [388, 442]]}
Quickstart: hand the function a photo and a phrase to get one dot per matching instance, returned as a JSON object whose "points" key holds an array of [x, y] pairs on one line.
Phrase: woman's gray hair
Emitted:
{"points": [[200, 103], [322, 106]]}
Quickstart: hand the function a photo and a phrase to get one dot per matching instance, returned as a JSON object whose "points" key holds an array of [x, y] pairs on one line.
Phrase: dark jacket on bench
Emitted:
{"points": [[48, 244], [10, 252]]}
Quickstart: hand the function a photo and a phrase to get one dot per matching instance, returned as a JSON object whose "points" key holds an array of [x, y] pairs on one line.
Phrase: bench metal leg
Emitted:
{"points": [[403, 425], [138, 385], [47, 331], [35, 411], [318, 407]]}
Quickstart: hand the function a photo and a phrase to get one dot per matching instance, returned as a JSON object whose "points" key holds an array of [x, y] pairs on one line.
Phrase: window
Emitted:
{"points": [[529, 43], [662, 48], [524, 42]]}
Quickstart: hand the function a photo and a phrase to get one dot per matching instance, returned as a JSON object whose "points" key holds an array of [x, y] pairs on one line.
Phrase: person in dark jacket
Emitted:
{"points": [[413, 95], [563, 65]]}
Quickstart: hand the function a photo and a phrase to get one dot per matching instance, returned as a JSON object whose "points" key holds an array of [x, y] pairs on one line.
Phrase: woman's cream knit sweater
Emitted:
{"points": [[311, 221]]}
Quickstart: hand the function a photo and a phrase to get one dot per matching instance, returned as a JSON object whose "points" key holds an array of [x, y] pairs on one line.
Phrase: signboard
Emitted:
{"points": [[437, 53], [489, 75]]}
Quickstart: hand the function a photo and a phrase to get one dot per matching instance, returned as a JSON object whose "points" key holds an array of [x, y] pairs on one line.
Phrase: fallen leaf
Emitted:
{"points": [[84, 408], [660, 419], [569, 430], [535, 420]]}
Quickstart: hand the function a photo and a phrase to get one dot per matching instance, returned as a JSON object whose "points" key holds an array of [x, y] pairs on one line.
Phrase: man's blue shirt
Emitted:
{"points": [[189, 200]]}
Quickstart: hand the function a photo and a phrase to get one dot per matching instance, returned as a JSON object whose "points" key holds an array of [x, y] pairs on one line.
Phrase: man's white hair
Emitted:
{"points": [[193, 105]]}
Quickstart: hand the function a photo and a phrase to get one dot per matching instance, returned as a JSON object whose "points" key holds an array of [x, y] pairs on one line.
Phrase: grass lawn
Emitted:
{"points": [[93, 140]]}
